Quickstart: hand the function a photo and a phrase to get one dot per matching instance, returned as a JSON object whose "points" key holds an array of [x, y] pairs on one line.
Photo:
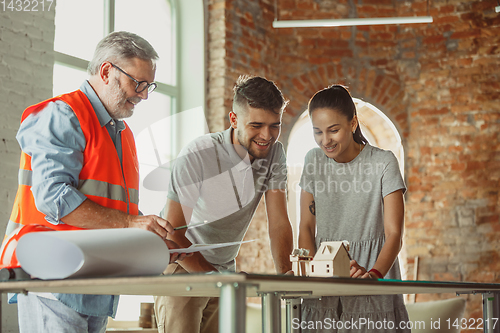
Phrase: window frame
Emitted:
{"points": [[172, 91]]}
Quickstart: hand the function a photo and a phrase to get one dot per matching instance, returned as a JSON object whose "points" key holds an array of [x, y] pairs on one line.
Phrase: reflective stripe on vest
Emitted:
{"points": [[91, 187], [134, 196], [106, 190], [11, 226], [25, 177]]}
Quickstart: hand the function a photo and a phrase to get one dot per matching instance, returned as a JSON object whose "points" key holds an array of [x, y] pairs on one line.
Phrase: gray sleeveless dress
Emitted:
{"points": [[349, 206]]}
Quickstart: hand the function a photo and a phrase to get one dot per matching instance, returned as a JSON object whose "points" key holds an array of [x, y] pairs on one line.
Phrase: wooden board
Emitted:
{"points": [[209, 284]]}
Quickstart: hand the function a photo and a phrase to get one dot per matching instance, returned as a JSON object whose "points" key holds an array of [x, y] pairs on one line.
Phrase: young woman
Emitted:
{"points": [[352, 191]]}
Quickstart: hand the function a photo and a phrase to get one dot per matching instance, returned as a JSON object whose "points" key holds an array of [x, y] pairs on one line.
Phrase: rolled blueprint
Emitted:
{"points": [[92, 253]]}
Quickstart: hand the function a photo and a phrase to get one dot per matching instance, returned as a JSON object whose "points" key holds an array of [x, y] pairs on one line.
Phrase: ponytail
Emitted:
{"points": [[358, 136]]}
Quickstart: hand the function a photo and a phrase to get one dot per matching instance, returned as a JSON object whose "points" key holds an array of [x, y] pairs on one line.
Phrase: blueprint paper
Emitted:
{"points": [[97, 253], [203, 247], [90, 253]]}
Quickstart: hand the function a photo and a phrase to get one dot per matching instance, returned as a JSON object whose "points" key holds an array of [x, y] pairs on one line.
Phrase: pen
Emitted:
{"points": [[192, 225]]}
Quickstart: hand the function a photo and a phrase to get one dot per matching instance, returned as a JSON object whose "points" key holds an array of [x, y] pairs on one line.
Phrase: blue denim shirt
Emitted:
{"points": [[55, 141]]}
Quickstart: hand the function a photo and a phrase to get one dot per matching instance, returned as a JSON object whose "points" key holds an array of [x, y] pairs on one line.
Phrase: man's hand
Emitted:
{"points": [[90, 215], [161, 227], [173, 255], [152, 223], [175, 213]]}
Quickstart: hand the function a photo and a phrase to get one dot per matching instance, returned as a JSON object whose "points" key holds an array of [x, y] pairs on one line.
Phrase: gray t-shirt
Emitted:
{"points": [[349, 199], [210, 177]]}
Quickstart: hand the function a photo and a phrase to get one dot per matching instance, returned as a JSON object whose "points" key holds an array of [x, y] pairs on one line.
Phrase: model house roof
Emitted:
{"points": [[329, 250]]}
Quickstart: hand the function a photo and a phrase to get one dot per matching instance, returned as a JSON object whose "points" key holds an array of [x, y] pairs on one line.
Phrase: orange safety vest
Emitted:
{"points": [[102, 178]]}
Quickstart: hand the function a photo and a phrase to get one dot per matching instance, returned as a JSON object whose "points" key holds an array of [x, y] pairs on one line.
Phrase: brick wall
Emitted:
{"points": [[26, 62], [438, 83], [240, 41]]}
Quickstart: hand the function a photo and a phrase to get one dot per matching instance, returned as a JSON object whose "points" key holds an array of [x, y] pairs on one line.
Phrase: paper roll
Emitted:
{"points": [[92, 253]]}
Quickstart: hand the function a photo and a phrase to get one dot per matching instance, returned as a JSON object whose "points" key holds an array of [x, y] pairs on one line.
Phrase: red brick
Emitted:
{"points": [[345, 35], [287, 4], [471, 165], [297, 84], [446, 19], [308, 42], [307, 5], [466, 34], [319, 60], [447, 9], [330, 34], [419, 225], [340, 53]]}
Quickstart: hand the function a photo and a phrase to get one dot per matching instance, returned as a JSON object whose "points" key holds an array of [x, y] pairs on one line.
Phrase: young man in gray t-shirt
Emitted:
{"points": [[220, 178]]}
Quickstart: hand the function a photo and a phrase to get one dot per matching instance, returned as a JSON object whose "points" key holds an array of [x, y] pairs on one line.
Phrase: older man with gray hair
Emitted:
{"points": [[79, 170]]}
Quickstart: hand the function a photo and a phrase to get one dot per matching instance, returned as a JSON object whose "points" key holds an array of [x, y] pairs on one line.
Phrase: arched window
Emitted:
{"points": [[376, 127]]}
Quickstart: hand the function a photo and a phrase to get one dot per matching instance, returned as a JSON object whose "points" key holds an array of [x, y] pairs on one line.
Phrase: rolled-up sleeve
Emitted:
{"points": [[55, 141]]}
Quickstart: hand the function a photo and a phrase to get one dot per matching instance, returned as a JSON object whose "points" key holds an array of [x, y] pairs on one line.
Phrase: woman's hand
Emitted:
{"points": [[358, 271]]}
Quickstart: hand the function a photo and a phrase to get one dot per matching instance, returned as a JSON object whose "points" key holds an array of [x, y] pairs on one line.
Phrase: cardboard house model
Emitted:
{"points": [[299, 257], [331, 259]]}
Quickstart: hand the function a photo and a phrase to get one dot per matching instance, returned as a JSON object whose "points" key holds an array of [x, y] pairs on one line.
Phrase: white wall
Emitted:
{"points": [[26, 62]]}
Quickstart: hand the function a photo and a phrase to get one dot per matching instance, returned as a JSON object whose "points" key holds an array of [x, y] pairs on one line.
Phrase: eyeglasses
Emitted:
{"points": [[142, 85]]}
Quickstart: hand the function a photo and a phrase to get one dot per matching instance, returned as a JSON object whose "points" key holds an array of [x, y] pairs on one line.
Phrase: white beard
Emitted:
{"points": [[117, 102]]}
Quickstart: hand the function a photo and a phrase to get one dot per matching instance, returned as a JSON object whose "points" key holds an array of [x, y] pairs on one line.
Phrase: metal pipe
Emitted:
{"points": [[232, 308], [271, 312], [351, 22], [491, 312], [293, 310]]}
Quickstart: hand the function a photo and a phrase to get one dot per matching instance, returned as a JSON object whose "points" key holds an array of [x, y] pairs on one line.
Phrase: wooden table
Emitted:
{"points": [[233, 288]]}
